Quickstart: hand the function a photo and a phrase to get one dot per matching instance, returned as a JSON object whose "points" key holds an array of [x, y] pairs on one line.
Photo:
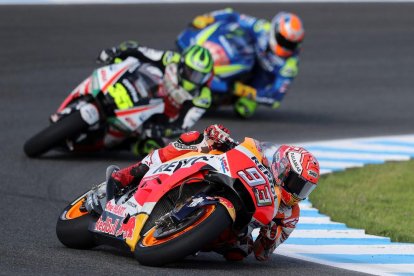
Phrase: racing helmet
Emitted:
{"points": [[286, 34], [195, 68], [295, 170]]}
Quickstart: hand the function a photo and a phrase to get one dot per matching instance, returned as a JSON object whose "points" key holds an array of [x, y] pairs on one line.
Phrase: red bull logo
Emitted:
{"points": [[127, 229], [118, 210], [116, 228], [106, 226]]}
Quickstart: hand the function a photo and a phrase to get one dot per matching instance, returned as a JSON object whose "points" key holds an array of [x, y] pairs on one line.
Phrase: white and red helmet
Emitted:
{"points": [[296, 170], [286, 34]]}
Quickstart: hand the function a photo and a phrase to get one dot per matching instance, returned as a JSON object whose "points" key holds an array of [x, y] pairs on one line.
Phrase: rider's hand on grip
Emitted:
{"points": [[218, 134], [244, 90], [202, 21], [107, 56]]}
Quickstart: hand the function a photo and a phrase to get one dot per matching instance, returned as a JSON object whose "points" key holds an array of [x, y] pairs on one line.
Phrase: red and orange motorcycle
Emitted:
{"points": [[179, 208]]}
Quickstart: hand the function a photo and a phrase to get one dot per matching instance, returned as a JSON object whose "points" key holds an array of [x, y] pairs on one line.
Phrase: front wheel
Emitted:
{"points": [[55, 134], [156, 248], [72, 226]]}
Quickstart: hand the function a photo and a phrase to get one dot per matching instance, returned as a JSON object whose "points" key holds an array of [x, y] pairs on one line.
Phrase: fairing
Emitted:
{"points": [[240, 165], [125, 95]]}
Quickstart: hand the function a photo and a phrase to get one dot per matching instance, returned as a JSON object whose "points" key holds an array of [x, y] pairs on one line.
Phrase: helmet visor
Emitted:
{"points": [[298, 186], [283, 42], [196, 77]]}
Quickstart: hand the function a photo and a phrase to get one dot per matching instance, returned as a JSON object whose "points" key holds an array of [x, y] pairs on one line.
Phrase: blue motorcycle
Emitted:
{"points": [[232, 51]]}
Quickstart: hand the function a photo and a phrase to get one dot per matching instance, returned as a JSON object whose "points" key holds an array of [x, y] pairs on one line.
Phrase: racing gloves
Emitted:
{"points": [[217, 133], [220, 137], [244, 90], [108, 56], [265, 243], [202, 21]]}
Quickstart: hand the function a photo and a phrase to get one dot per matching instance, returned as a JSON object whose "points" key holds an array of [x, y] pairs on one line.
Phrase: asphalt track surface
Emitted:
{"points": [[356, 79]]}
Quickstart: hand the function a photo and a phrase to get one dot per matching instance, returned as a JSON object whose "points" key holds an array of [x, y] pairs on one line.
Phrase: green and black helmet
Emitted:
{"points": [[196, 67]]}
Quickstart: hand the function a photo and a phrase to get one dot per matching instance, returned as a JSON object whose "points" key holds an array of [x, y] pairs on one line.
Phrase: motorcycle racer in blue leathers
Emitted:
{"points": [[277, 47]]}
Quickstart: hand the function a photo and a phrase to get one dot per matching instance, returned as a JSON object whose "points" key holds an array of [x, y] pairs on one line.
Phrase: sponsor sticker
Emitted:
{"points": [[224, 164], [115, 209], [313, 173], [131, 89], [294, 158], [89, 114], [175, 165], [107, 226], [127, 228]]}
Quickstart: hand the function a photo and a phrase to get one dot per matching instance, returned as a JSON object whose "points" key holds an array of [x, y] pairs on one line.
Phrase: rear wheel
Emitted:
{"points": [[55, 134], [162, 246], [72, 226]]}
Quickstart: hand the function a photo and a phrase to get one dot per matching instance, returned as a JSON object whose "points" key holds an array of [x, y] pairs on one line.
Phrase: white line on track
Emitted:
{"points": [[121, 2], [318, 239], [344, 248]]}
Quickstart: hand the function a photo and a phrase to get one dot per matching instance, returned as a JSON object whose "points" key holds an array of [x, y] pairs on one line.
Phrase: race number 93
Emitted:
{"points": [[255, 179]]}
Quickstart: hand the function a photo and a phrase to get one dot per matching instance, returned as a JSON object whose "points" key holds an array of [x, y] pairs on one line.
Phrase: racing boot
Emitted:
{"points": [[232, 246], [239, 249], [130, 176], [116, 180]]}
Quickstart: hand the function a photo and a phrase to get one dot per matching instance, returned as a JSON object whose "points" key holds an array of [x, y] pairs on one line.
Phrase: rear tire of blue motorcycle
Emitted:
{"points": [[184, 244], [55, 134]]}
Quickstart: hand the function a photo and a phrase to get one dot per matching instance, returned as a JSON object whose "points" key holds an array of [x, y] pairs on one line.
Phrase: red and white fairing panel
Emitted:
{"points": [[168, 168], [104, 77], [238, 163], [108, 75], [160, 179], [255, 175], [134, 117]]}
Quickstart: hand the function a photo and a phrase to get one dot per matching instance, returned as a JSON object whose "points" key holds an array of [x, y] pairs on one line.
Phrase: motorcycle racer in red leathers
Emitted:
{"points": [[294, 169]]}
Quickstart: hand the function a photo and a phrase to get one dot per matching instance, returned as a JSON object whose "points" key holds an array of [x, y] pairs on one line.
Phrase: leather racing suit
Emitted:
{"points": [[182, 108], [271, 75], [233, 246]]}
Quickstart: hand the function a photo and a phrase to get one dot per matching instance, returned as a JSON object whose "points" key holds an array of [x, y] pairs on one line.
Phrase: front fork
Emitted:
{"points": [[89, 112]]}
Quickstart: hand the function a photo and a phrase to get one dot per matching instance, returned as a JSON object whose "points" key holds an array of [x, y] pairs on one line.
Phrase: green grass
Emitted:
{"points": [[377, 198]]}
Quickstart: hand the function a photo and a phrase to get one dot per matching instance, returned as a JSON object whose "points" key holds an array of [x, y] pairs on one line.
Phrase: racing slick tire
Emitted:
{"points": [[151, 251], [72, 226], [55, 134]]}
